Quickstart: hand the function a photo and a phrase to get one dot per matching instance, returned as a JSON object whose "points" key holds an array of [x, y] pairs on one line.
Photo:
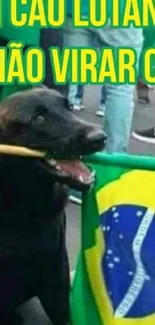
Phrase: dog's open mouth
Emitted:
{"points": [[73, 173]]}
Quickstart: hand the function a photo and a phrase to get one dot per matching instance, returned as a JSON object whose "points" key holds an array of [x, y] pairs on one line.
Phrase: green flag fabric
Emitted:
{"points": [[29, 35], [114, 282]]}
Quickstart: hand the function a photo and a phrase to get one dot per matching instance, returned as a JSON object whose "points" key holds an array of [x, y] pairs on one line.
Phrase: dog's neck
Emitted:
{"points": [[25, 184]]}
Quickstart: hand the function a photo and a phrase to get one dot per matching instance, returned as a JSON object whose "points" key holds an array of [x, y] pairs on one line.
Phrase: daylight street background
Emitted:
{"points": [[144, 117]]}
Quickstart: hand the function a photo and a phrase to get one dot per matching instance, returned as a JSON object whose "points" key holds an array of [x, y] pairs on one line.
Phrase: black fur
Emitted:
{"points": [[41, 119], [33, 256]]}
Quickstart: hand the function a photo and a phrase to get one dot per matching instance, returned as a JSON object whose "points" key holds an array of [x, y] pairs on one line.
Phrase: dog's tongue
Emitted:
{"points": [[75, 168]]}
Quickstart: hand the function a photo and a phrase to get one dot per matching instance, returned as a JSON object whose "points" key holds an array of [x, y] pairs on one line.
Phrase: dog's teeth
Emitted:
{"points": [[52, 162], [58, 167], [92, 176], [93, 173], [81, 178]]}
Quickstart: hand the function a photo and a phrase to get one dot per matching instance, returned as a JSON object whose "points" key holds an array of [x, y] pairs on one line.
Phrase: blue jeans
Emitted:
{"points": [[119, 98], [76, 93]]}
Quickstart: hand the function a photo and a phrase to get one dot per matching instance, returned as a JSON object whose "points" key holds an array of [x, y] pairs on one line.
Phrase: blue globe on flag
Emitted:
{"points": [[128, 264]]}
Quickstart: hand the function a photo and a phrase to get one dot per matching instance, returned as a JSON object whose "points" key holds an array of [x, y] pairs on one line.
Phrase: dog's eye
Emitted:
{"points": [[40, 119]]}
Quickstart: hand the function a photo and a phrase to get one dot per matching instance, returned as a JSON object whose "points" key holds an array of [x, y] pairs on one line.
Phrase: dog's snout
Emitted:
{"points": [[94, 139], [96, 136]]}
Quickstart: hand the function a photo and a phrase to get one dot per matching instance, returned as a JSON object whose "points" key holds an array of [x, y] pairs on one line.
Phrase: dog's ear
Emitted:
{"points": [[6, 115], [10, 113], [3, 117]]}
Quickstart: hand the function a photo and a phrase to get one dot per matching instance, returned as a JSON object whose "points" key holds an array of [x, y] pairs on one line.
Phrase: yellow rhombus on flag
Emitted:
{"points": [[114, 282]]}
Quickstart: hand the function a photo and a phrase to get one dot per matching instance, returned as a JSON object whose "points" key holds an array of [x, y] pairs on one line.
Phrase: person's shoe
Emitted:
{"points": [[82, 105], [75, 197], [77, 106], [144, 100], [101, 110], [145, 135]]}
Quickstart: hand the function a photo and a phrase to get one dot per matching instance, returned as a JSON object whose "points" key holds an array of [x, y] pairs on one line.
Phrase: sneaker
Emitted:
{"points": [[145, 135], [75, 197], [144, 100], [101, 111], [77, 106], [150, 87], [82, 106]]}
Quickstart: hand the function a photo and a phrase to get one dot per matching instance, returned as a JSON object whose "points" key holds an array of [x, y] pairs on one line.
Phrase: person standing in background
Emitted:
{"points": [[75, 97], [147, 134], [119, 98], [76, 94], [52, 38], [142, 87]]}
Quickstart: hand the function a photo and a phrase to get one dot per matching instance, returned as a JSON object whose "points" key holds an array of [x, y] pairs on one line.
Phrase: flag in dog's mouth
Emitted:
{"points": [[72, 172]]}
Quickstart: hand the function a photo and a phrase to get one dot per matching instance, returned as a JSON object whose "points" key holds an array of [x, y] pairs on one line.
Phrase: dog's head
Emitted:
{"points": [[40, 119]]}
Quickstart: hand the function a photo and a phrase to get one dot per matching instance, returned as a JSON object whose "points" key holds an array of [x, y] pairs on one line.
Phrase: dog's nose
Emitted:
{"points": [[96, 136], [95, 140]]}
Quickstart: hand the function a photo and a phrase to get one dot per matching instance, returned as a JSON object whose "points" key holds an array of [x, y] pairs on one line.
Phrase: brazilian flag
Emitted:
{"points": [[114, 282]]}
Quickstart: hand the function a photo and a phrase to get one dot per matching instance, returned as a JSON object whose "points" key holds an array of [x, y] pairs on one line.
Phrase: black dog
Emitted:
{"points": [[33, 257]]}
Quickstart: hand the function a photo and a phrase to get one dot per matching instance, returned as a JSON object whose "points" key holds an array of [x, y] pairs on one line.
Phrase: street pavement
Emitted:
{"points": [[144, 117]]}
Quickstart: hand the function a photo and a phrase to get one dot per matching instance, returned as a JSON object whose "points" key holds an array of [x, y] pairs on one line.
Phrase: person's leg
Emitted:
{"points": [[51, 37], [142, 87], [118, 117], [80, 94], [76, 37], [103, 95], [72, 97], [101, 110], [75, 97], [142, 93], [119, 98]]}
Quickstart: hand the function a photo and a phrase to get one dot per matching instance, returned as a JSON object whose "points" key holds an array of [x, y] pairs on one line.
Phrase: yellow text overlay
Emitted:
{"points": [[53, 13], [76, 65], [139, 13], [22, 67], [86, 65], [46, 13]]}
